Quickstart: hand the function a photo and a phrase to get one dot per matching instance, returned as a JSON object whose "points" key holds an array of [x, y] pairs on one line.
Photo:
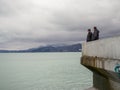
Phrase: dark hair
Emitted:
{"points": [[89, 29], [95, 27]]}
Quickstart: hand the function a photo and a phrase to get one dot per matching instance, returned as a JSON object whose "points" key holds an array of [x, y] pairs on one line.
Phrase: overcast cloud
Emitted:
{"points": [[31, 23]]}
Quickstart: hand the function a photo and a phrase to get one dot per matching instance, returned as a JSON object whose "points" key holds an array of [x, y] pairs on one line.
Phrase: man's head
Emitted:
{"points": [[95, 28], [89, 30]]}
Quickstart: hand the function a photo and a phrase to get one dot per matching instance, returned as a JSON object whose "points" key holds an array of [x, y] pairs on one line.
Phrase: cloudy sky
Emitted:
{"points": [[31, 23]]}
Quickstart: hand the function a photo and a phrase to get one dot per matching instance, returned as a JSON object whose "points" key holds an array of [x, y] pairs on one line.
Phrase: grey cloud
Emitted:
{"points": [[33, 23]]}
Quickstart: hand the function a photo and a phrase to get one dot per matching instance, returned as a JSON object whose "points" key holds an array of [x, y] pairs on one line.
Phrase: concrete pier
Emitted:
{"points": [[102, 57]]}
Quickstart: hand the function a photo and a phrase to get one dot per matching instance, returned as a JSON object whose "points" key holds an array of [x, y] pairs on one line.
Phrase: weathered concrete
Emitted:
{"points": [[92, 88], [102, 57], [107, 48]]}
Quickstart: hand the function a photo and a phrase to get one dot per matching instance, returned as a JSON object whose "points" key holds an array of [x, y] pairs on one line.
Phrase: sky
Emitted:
{"points": [[32, 23]]}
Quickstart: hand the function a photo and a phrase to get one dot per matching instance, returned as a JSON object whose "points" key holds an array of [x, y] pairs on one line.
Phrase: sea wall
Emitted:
{"points": [[108, 48], [102, 57]]}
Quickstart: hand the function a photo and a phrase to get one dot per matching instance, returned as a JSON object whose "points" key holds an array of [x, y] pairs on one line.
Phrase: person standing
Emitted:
{"points": [[95, 34], [89, 35]]}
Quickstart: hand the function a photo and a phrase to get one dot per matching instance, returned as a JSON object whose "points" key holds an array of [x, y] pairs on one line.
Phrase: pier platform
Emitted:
{"points": [[102, 57]]}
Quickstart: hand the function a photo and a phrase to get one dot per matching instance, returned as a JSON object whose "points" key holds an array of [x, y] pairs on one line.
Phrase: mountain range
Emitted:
{"points": [[49, 48]]}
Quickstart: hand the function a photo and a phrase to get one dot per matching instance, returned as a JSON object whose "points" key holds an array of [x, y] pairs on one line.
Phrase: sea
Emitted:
{"points": [[43, 71]]}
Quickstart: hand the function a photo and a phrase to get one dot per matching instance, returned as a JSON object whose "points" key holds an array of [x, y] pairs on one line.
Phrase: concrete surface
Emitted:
{"points": [[102, 57], [107, 48], [92, 88]]}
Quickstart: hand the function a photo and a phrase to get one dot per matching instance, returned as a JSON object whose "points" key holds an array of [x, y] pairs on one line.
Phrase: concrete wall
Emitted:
{"points": [[108, 48], [102, 57], [104, 75]]}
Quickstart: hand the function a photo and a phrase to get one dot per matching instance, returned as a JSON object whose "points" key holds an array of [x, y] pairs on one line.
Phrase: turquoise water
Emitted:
{"points": [[43, 71]]}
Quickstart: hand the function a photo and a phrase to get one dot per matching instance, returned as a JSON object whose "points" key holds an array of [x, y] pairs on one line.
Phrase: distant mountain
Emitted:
{"points": [[66, 48]]}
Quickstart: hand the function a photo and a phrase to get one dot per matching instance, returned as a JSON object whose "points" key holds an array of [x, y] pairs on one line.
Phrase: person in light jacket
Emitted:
{"points": [[95, 34]]}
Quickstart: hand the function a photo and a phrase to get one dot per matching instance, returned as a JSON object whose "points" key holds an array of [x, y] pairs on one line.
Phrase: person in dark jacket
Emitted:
{"points": [[95, 34], [89, 35]]}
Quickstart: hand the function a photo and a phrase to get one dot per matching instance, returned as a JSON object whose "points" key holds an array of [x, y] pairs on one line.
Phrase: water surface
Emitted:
{"points": [[43, 71]]}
